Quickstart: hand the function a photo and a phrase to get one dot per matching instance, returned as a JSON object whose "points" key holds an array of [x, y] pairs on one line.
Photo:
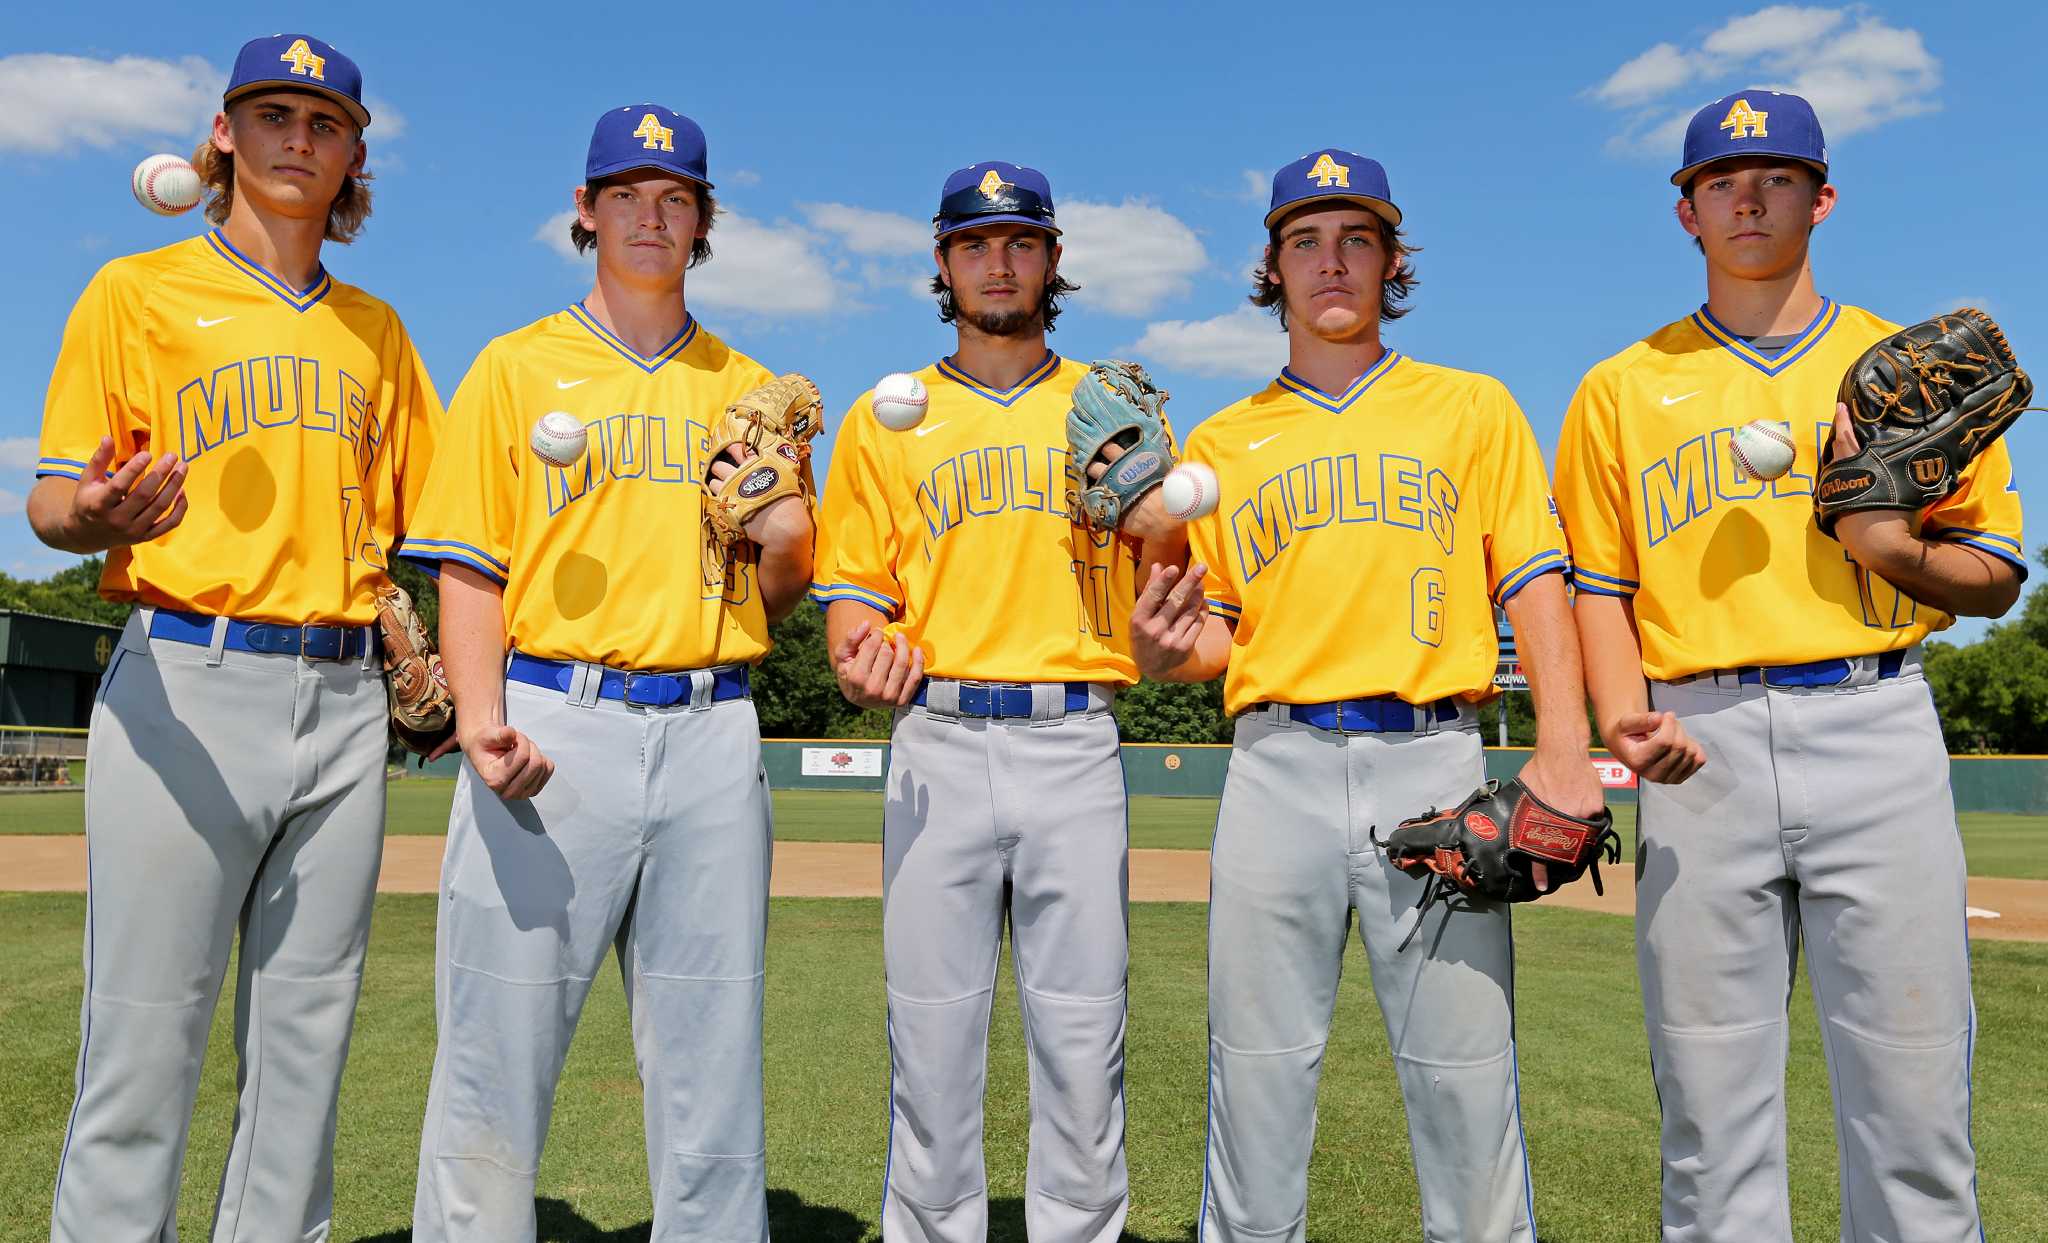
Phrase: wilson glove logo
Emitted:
{"points": [[1847, 484], [1136, 467], [1929, 468]]}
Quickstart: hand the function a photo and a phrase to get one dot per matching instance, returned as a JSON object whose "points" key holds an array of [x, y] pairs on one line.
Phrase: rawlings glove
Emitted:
{"points": [[422, 710], [777, 422], [1926, 401], [1487, 845], [1117, 404]]}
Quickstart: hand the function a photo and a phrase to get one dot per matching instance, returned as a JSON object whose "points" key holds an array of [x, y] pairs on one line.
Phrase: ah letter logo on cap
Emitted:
{"points": [[305, 61], [654, 136], [1328, 172], [1744, 121]]}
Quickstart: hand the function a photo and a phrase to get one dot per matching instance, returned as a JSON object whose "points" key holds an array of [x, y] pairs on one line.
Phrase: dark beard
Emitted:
{"points": [[1015, 323]]}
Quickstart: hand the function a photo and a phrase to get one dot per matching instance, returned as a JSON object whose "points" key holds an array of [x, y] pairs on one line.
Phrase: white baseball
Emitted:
{"points": [[166, 185], [559, 438], [1762, 448], [1189, 491], [899, 401]]}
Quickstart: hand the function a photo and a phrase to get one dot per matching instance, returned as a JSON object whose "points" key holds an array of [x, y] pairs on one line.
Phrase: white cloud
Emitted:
{"points": [[386, 121], [766, 270], [554, 234], [741, 177], [51, 103], [12, 502], [1245, 344], [1128, 258], [1857, 70], [865, 231], [19, 453], [1258, 187]]}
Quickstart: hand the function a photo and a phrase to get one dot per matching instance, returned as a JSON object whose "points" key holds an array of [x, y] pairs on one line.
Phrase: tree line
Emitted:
{"points": [[1992, 693]]}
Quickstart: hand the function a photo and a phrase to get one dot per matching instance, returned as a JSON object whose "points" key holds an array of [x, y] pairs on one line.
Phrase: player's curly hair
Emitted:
{"points": [[1394, 290], [216, 169], [700, 248]]}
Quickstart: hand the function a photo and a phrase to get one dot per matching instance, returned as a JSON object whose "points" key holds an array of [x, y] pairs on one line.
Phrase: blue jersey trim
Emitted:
{"points": [[61, 467], [2011, 544], [1545, 562], [1596, 589], [300, 300], [1004, 397], [828, 593], [1999, 551], [649, 363], [431, 562], [427, 546], [1580, 574], [1232, 611], [1796, 349], [1341, 402]]}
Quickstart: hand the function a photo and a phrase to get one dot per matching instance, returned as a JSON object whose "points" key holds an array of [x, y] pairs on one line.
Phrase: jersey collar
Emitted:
{"points": [[1341, 402], [1808, 337], [650, 363], [300, 300], [1005, 397]]}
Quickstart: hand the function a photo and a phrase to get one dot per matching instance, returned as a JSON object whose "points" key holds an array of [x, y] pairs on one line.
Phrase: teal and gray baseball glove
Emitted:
{"points": [[1115, 404]]}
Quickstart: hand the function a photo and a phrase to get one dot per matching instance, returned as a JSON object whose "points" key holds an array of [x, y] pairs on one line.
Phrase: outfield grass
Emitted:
{"points": [[1997, 845], [1590, 1113]]}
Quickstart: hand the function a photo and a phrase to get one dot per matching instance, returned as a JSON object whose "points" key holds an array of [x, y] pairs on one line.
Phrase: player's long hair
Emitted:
{"points": [[1394, 290], [216, 169], [700, 248]]}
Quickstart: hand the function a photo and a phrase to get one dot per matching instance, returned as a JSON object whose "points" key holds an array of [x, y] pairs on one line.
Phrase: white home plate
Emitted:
{"points": [[1978, 912]]}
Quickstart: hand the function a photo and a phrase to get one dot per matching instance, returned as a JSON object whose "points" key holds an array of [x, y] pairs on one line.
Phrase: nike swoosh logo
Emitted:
{"points": [[204, 322], [571, 383], [1257, 445], [926, 431], [1669, 400]]}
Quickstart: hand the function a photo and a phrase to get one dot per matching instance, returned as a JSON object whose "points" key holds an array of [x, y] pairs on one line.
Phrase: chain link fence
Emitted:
{"points": [[40, 758]]}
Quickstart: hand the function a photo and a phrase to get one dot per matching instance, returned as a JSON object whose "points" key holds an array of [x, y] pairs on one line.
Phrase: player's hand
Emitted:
{"points": [[1655, 747], [1845, 442], [783, 525], [1146, 520], [1876, 539], [507, 760], [1167, 619], [133, 505], [875, 671], [1563, 778]]}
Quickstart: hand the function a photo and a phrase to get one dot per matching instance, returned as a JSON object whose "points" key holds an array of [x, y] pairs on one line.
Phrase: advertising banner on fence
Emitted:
{"points": [[842, 762], [1614, 774]]}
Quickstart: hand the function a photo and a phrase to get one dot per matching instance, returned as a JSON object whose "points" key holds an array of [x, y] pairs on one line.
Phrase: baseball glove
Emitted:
{"points": [[1926, 401], [1116, 403], [422, 710], [1486, 847], [777, 422]]}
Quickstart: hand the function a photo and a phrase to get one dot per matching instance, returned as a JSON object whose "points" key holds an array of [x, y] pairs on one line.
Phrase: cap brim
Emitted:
{"points": [[356, 111], [626, 166], [1690, 171], [976, 222], [1378, 207]]}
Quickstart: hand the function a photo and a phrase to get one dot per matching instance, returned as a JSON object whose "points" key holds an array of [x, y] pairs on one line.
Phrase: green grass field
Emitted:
{"points": [[1997, 845], [1589, 1109]]}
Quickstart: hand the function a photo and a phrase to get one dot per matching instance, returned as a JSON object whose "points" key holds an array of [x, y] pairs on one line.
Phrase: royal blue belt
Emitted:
{"points": [[997, 700], [271, 638], [1382, 714], [639, 690], [1818, 672]]}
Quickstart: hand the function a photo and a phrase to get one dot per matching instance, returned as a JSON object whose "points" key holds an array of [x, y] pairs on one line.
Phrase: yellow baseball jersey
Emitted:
{"points": [[306, 416], [1363, 539], [957, 530], [606, 560], [1725, 570]]}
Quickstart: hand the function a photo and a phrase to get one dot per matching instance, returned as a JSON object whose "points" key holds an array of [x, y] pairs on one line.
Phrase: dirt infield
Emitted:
{"points": [[2000, 909]]}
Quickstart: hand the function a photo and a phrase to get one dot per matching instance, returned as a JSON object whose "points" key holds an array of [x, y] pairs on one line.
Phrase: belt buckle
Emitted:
{"points": [[977, 699], [314, 642], [626, 690]]}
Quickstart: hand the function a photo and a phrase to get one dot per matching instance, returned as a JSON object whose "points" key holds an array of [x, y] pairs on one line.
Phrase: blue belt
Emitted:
{"points": [[1382, 714], [997, 700], [272, 638], [1818, 672], [639, 690]]}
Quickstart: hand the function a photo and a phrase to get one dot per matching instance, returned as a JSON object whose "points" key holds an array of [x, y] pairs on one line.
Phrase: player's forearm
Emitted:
{"points": [[1611, 658], [49, 515], [1950, 577], [785, 577], [1548, 644], [841, 616], [1209, 659], [473, 645]]}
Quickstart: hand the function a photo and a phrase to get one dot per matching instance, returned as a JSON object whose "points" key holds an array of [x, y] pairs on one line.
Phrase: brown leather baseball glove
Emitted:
{"points": [[776, 422], [422, 710]]}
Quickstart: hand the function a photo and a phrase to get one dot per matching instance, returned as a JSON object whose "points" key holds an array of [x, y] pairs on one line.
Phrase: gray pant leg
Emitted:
{"points": [[693, 956], [532, 896], [942, 921], [1292, 857], [1716, 921], [1881, 904], [205, 789], [1060, 794]]}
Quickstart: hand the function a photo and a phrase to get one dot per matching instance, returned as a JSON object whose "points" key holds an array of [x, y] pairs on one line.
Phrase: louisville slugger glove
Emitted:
{"points": [[777, 421], [422, 710], [1116, 403], [1926, 401], [1487, 845]]}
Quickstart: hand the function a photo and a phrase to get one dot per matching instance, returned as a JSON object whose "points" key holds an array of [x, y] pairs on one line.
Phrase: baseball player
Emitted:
{"points": [[611, 792], [1376, 509], [244, 436], [1005, 791], [1798, 786]]}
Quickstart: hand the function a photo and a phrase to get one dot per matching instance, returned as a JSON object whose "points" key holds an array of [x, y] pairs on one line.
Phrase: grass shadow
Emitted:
{"points": [[789, 1217]]}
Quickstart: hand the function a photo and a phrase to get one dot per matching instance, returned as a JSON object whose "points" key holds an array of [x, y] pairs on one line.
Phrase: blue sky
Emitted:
{"points": [[1528, 146]]}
